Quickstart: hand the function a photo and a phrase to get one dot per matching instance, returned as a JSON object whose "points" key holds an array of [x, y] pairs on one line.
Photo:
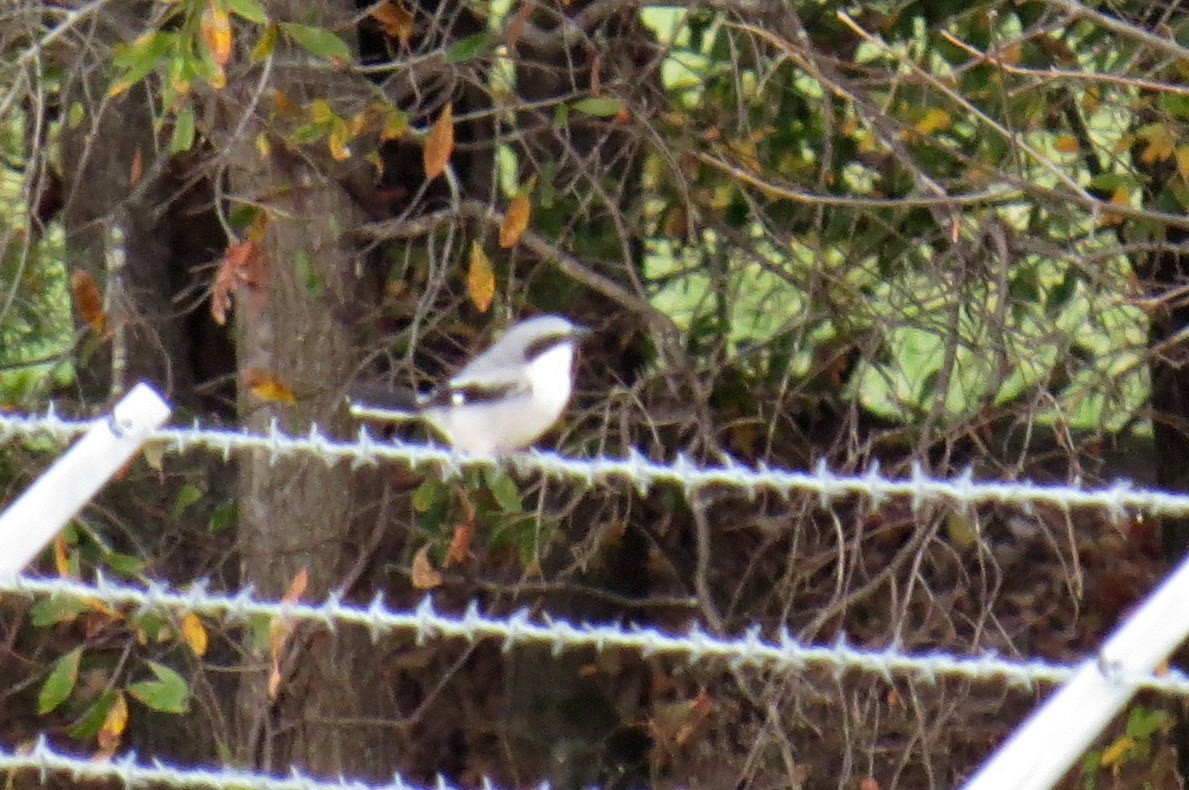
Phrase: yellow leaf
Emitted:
{"points": [[935, 119], [1066, 144], [194, 634], [480, 279], [515, 221], [154, 455], [396, 123], [439, 144], [1161, 143], [425, 576], [321, 112], [114, 724], [61, 559], [266, 44], [337, 140], [1117, 751], [1183, 161], [216, 32], [962, 531], [268, 388]]}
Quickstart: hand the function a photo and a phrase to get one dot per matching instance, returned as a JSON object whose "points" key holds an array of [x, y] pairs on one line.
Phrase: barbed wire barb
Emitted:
{"points": [[781, 653], [1119, 498]]}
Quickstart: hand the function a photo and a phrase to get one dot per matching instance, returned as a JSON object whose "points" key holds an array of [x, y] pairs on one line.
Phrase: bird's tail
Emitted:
{"points": [[380, 401]]}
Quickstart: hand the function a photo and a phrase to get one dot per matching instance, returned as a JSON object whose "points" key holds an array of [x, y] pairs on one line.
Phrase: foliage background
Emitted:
{"points": [[925, 232]]}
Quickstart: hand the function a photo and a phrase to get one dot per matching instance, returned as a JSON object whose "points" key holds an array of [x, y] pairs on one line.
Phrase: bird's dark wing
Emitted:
{"points": [[458, 393]]}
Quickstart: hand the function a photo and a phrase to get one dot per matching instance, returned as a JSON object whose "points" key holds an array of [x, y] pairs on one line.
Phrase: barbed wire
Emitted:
{"points": [[44, 760], [1117, 499], [784, 653]]}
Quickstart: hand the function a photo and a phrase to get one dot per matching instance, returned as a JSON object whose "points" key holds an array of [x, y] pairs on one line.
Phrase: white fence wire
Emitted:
{"points": [[125, 770], [425, 623], [1124, 664], [1117, 500]]}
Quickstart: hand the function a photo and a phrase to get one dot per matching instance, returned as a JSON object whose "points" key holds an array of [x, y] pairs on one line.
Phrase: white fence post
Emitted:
{"points": [[45, 507], [1044, 747]]}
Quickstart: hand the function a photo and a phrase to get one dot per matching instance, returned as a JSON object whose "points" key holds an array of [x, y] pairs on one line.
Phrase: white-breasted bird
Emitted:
{"points": [[506, 397]]}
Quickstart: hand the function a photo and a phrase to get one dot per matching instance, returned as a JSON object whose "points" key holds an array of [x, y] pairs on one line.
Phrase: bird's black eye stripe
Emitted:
{"points": [[546, 343], [456, 396]]}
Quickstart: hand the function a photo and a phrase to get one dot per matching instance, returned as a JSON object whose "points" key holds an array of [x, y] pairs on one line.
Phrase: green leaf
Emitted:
{"points": [[56, 609], [1061, 293], [169, 693], [188, 495], [60, 683], [467, 48], [306, 273], [88, 725], [318, 41], [139, 58], [242, 216], [425, 496], [125, 564], [221, 518], [183, 131], [503, 489], [599, 106], [250, 10], [1143, 723]]}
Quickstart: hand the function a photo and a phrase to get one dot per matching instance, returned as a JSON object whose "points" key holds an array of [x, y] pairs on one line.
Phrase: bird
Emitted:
{"points": [[506, 397]]}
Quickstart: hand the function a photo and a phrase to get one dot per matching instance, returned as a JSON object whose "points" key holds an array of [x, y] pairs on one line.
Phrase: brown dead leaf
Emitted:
{"points": [[242, 267], [425, 576], [439, 144], [88, 301], [280, 630], [515, 221], [396, 21], [515, 28], [460, 544], [480, 279]]}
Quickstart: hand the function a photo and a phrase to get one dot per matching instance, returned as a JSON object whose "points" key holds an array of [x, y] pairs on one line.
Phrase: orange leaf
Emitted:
{"points": [[515, 221], [136, 169], [194, 634], [274, 679], [460, 544], [242, 266], [439, 144], [1066, 144], [480, 279], [297, 587], [396, 21], [268, 388], [216, 32], [114, 724], [425, 576], [88, 301]]}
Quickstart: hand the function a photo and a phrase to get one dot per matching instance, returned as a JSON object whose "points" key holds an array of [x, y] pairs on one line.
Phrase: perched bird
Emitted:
{"points": [[506, 397]]}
